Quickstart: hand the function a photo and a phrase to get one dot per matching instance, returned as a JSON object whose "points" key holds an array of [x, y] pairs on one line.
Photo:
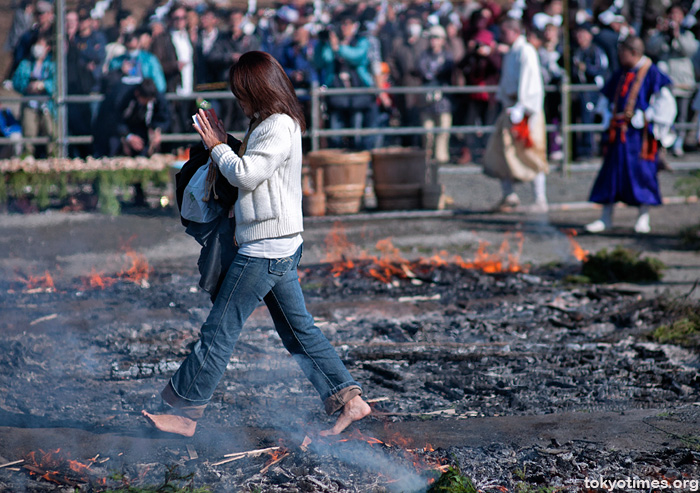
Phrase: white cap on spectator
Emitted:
{"points": [[43, 7], [288, 14], [609, 16], [437, 32], [517, 9]]}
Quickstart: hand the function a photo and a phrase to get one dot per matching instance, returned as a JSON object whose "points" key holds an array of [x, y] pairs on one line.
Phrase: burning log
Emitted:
{"points": [[60, 469], [277, 456], [38, 284], [576, 250], [391, 267], [51, 476], [53, 468]]}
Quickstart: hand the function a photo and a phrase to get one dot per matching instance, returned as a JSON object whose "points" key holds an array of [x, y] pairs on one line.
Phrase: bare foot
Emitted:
{"points": [[353, 410], [171, 423]]}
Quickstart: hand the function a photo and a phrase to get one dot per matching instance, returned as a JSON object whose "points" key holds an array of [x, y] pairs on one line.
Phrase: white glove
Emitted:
{"points": [[607, 116], [516, 114], [637, 120], [649, 114]]}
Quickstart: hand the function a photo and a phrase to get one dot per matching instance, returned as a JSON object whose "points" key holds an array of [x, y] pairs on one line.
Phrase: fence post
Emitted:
{"points": [[315, 115], [61, 81], [565, 123]]}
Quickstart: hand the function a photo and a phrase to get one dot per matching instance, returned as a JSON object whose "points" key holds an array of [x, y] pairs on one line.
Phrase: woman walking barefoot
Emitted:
{"points": [[267, 172]]}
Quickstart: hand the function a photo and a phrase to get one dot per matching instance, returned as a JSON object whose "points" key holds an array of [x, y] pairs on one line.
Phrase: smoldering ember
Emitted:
{"points": [[486, 360]]}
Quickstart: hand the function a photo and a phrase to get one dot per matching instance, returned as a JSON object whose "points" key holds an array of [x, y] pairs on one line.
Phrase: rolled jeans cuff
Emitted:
{"points": [[180, 405], [336, 402]]}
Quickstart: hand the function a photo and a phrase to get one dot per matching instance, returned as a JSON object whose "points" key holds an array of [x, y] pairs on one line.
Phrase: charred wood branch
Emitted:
{"points": [[412, 351], [447, 391], [241, 455], [385, 373], [389, 384], [273, 462], [8, 464], [53, 476]]}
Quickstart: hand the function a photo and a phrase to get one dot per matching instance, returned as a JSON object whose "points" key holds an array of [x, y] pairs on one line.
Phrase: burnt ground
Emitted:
{"points": [[521, 380]]}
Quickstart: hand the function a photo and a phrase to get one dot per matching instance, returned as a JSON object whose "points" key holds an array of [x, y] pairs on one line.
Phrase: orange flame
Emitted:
{"points": [[57, 468], [420, 462], [138, 271], [276, 454], [338, 247], [358, 435], [96, 280], [436, 260], [43, 283], [78, 467], [576, 250], [502, 260], [391, 265], [342, 266]]}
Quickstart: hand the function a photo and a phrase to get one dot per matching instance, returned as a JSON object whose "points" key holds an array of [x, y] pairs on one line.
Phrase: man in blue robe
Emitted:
{"points": [[638, 109]]}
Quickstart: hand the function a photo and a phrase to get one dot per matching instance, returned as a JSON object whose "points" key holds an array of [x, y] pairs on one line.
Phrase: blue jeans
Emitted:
{"points": [[250, 280]]}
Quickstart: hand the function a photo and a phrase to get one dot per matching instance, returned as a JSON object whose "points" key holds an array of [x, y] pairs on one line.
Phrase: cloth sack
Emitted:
{"points": [[509, 156], [194, 206], [199, 157]]}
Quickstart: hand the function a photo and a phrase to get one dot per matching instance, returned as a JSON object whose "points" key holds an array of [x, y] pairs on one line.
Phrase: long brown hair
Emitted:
{"points": [[260, 80]]}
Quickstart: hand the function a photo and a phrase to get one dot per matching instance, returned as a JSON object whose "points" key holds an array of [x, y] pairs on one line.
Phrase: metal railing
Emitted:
{"points": [[316, 130]]}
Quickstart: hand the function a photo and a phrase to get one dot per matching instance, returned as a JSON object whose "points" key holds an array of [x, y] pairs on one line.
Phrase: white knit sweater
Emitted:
{"points": [[268, 177]]}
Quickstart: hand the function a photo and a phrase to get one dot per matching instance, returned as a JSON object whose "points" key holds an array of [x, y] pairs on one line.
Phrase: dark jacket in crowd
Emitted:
{"points": [[136, 118], [596, 65], [221, 56], [114, 121], [162, 47], [207, 69]]}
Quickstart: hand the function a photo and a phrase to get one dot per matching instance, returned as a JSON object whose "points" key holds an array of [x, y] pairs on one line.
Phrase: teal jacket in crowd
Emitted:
{"points": [[23, 75], [150, 67], [356, 55]]}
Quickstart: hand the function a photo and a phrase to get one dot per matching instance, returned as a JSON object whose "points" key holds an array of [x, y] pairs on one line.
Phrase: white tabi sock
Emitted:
{"points": [[642, 225], [539, 187]]}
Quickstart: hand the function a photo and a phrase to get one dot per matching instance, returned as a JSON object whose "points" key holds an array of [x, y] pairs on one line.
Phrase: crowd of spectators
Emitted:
{"points": [[188, 47]]}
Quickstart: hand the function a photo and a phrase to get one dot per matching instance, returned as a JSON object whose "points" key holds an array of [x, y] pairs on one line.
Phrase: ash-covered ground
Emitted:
{"points": [[521, 380]]}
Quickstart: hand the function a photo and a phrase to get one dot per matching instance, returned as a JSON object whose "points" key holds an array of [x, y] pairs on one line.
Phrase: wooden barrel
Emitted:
{"points": [[433, 196], [399, 177], [313, 202], [344, 177]]}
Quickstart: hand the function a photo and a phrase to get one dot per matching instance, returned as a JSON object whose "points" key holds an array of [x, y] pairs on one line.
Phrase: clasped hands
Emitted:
{"points": [[210, 129]]}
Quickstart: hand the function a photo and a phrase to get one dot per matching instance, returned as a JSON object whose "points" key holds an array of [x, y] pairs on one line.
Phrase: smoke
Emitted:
{"points": [[370, 459], [545, 241]]}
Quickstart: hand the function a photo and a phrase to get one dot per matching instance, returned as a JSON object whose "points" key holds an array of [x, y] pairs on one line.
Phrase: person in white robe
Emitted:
{"points": [[517, 149]]}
